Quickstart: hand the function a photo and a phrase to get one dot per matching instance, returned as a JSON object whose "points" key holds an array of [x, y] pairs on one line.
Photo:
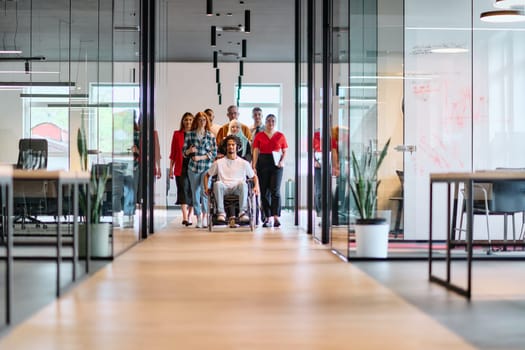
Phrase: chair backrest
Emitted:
{"points": [[508, 196], [32, 154]]}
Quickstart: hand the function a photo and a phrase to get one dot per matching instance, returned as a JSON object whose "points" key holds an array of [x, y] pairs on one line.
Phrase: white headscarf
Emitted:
{"points": [[240, 135]]}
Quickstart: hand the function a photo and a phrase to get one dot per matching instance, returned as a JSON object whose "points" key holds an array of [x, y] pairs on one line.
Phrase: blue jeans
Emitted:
{"points": [[240, 190], [200, 200]]}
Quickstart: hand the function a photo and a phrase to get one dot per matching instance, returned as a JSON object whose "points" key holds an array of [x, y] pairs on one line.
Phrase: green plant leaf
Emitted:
{"points": [[364, 183]]}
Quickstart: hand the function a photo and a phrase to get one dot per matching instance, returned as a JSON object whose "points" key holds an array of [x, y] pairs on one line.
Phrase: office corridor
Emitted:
{"points": [[185, 288]]}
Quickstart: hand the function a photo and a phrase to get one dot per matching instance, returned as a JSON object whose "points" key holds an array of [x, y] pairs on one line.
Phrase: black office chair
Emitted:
{"points": [[32, 154], [505, 198], [30, 197]]}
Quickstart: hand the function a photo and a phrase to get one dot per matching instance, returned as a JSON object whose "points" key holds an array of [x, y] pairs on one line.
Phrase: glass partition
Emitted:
{"points": [[317, 108], [57, 73], [303, 119], [498, 106], [125, 143], [362, 96], [340, 125], [438, 114]]}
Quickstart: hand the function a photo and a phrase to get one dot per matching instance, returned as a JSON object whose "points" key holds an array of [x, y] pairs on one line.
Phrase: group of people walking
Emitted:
{"points": [[258, 151]]}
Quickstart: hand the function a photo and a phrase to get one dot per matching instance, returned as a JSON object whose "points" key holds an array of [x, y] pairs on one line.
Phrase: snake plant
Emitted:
{"points": [[97, 180], [364, 182]]}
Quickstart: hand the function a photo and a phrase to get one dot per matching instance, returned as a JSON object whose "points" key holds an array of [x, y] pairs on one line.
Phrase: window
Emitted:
{"points": [[111, 111], [45, 117], [115, 131], [268, 97]]}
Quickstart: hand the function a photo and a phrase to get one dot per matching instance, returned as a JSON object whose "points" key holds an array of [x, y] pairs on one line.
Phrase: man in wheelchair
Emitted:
{"points": [[232, 172]]}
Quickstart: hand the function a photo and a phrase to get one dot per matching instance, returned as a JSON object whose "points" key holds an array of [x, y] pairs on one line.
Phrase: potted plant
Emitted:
{"points": [[100, 232], [371, 232]]}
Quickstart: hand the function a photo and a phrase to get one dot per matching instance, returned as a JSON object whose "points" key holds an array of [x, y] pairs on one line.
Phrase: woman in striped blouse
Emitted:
{"points": [[201, 148]]}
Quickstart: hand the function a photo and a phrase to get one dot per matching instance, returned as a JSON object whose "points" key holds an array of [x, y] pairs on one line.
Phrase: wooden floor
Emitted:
{"points": [[191, 289]]}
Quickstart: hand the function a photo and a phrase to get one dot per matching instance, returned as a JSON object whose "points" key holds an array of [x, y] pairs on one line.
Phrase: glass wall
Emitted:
{"points": [[498, 126], [339, 149], [70, 65], [302, 136], [123, 141], [317, 115], [441, 86]]}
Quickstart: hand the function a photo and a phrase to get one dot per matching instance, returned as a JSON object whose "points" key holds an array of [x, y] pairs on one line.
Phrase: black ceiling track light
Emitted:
{"points": [[247, 26], [209, 7], [230, 52], [213, 36], [21, 58]]}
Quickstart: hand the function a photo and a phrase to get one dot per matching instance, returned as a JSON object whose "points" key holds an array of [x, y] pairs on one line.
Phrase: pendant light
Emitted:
{"points": [[509, 11], [244, 49], [247, 24], [213, 36], [510, 4], [502, 16], [209, 7]]}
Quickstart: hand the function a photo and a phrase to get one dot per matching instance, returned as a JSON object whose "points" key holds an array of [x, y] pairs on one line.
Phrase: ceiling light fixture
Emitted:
{"points": [[213, 36], [244, 48], [19, 58], [71, 96], [247, 24], [24, 84], [126, 28], [23, 71], [448, 49], [502, 16], [9, 52], [510, 4], [209, 7]]}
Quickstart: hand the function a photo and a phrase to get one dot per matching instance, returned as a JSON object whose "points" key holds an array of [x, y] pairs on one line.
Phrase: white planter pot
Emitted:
{"points": [[100, 241], [372, 240]]}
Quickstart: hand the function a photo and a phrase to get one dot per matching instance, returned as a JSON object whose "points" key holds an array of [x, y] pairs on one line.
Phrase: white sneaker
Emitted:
{"points": [[244, 218], [199, 222]]}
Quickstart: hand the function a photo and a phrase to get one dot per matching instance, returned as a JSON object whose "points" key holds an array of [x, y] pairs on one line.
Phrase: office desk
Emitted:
{"points": [[62, 178], [6, 184], [468, 180]]}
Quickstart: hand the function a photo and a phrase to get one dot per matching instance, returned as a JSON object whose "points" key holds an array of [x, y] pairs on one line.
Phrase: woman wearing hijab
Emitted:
{"points": [[245, 150]]}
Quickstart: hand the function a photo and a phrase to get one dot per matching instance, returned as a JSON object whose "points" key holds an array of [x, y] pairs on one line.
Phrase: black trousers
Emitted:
{"points": [[270, 178]]}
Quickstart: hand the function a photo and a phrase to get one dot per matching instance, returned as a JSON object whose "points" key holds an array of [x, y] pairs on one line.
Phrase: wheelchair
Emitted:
{"points": [[231, 207]]}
